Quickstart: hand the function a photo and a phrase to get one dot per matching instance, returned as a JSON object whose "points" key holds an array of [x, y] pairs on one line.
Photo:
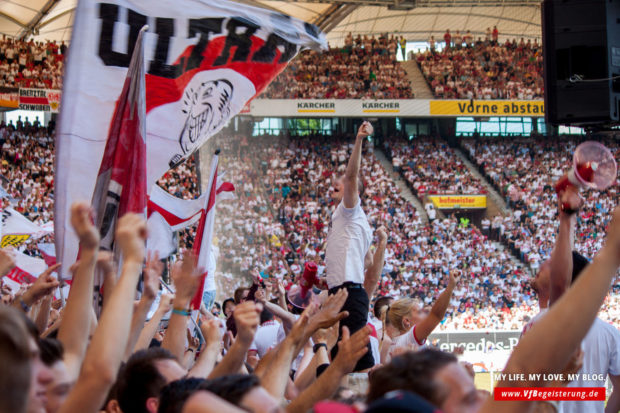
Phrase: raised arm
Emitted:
{"points": [[208, 356], [74, 329], [7, 261], [549, 344], [351, 349], [152, 272], [351, 176], [151, 326], [373, 273], [425, 327], [562, 254], [186, 279], [107, 348], [247, 319]]}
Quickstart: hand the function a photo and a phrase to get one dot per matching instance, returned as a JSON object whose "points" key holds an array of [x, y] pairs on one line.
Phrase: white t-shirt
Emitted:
{"points": [[601, 347], [348, 242], [266, 337], [407, 340]]}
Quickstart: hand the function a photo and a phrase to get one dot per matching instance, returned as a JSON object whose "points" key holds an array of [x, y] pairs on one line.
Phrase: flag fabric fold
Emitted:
{"points": [[121, 182], [206, 60]]}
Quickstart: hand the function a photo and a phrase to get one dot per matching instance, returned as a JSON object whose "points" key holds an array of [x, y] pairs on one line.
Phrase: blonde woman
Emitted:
{"points": [[409, 326]]}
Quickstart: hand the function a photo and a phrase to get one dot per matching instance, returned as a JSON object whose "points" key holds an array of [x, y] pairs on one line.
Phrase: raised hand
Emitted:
{"points": [[613, 232], [131, 237], [186, 278], [82, 222], [570, 199], [365, 130], [211, 332], [351, 348], [382, 234], [247, 319], [44, 285], [330, 313], [7, 261], [152, 273], [165, 303], [454, 277]]}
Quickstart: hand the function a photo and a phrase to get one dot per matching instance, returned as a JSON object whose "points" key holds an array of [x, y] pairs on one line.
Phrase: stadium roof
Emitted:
{"points": [[414, 19]]}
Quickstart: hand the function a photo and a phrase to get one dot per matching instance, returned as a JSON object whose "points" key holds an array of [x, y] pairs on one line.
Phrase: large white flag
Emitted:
{"points": [[205, 60]]}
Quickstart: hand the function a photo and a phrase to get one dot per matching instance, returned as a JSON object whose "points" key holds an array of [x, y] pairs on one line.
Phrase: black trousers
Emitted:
{"points": [[357, 305]]}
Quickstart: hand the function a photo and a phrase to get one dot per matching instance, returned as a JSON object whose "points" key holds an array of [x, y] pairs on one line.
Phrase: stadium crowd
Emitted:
{"points": [[31, 64], [484, 69], [524, 172], [265, 358], [365, 68], [430, 167]]}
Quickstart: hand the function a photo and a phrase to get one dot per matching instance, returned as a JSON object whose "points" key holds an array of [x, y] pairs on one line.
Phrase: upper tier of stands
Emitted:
{"points": [[31, 64]]}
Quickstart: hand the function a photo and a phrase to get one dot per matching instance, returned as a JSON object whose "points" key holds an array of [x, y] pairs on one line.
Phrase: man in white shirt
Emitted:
{"points": [[348, 246]]}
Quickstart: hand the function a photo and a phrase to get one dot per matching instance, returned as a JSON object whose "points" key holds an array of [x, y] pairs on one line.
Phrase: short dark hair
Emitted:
{"points": [[174, 395], [139, 379], [579, 264], [379, 304], [265, 315], [51, 350], [232, 387], [15, 360], [226, 301], [412, 371]]}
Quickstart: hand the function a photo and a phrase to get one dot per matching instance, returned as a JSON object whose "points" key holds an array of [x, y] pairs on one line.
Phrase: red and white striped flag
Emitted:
{"points": [[121, 182], [204, 235]]}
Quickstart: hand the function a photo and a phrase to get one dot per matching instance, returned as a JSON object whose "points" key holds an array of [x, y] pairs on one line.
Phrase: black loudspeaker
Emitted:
{"points": [[581, 50]]}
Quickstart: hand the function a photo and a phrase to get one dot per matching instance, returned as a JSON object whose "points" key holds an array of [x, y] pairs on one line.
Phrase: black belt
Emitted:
{"points": [[348, 285]]}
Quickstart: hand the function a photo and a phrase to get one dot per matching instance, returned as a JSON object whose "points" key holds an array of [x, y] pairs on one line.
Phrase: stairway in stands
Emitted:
{"points": [[496, 205], [418, 82], [405, 192]]}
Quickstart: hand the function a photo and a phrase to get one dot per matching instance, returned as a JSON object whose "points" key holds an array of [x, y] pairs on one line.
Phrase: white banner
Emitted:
{"points": [[322, 108], [17, 229], [204, 61]]}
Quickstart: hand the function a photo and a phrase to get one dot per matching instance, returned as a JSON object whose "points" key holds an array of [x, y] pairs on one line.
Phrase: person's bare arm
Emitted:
{"points": [[152, 272], [186, 278], [151, 326], [107, 347], [247, 319], [74, 329], [107, 266], [275, 377], [351, 176], [206, 361], [549, 344], [425, 327], [288, 319], [351, 349], [7, 261], [562, 254], [44, 313], [613, 403], [373, 273]]}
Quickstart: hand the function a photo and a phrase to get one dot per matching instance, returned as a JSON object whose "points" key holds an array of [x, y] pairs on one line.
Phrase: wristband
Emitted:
{"points": [[568, 210], [317, 346], [181, 311]]}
